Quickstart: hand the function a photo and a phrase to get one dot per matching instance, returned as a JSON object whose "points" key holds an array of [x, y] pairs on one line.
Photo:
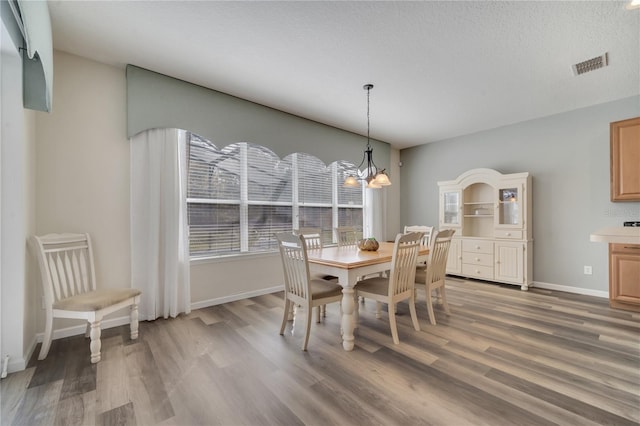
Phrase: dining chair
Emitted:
{"points": [[69, 282], [399, 285], [313, 241], [433, 276], [346, 236], [299, 288], [312, 237], [426, 230]]}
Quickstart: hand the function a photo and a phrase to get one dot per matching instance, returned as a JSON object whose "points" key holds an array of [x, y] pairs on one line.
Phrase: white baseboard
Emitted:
{"points": [[16, 364], [19, 364], [80, 329], [234, 297], [571, 289]]}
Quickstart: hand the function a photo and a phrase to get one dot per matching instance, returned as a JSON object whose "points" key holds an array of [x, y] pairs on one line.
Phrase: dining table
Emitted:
{"points": [[348, 263]]}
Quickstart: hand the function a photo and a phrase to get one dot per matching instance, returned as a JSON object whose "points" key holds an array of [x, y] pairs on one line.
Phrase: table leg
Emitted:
{"points": [[348, 320]]}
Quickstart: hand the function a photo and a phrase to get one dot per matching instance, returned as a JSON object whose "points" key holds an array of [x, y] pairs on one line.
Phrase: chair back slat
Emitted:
{"points": [[438, 253], [62, 275], [66, 264], [68, 273], [75, 271], [293, 253], [403, 264], [53, 279], [346, 236], [84, 270]]}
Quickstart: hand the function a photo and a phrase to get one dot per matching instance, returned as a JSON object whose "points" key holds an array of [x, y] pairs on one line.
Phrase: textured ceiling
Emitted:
{"points": [[440, 69]]}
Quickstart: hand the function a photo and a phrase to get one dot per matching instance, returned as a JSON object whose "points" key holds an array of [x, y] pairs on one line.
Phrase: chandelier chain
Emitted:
{"points": [[368, 113]]}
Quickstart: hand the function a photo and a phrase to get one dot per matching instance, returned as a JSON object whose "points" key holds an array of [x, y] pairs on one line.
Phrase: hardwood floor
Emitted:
{"points": [[503, 357]]}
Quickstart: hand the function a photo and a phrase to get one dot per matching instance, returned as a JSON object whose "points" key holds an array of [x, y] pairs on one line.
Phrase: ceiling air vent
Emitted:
{"points": [[591, 64]]}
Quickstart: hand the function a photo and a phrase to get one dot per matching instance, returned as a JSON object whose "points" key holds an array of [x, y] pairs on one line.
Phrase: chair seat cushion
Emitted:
{"points": [[322, 288], [374, 285], [95, 300]]}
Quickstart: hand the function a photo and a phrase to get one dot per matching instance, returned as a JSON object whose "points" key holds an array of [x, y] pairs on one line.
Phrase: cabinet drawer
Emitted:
{"points": [[508, 234], [633, 249], [482, 259], [477, 271], [477, 246]]}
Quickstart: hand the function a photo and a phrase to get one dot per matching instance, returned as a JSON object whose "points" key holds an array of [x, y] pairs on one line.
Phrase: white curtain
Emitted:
{"points": [[375, 214], [159, 231]]}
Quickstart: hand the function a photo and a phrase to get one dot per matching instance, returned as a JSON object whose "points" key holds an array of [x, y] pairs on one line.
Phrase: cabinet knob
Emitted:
{"points": [[508, 234], [477, 247], [477, 259]]}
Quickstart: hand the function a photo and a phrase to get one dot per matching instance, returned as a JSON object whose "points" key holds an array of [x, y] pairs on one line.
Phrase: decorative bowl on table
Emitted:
{"points": [[368, 244]]}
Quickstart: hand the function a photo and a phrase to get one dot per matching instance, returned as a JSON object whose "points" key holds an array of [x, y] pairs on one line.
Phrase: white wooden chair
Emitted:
{"points": [[299, 288], [312, 237], [313, 241], [426, 239], [399, 285], [346, 236], [426, 230], [434, 276], [69, 284]]}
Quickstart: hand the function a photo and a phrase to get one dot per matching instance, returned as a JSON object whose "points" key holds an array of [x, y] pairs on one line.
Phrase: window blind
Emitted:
{"points": [[241, 195]]}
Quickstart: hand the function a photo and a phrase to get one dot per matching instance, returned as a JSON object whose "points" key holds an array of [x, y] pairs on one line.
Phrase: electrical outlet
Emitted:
{"points": [[588, 270]]}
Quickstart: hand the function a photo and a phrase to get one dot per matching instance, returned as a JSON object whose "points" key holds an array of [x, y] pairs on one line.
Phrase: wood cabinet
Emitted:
{"points": [[624, 276], [625, 158], [491, 213]]}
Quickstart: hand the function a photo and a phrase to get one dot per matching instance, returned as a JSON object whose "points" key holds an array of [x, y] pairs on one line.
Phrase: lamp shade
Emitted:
{"points": [[373, 184], [351, 182], [382, 179]]}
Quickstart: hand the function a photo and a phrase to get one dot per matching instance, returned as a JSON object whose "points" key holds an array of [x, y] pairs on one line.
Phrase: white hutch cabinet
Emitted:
{"points": [[491, 214]]}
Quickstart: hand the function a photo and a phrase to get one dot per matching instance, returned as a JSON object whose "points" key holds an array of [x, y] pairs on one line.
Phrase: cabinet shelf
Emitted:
{"points": [[476, 203], [478, 215]]}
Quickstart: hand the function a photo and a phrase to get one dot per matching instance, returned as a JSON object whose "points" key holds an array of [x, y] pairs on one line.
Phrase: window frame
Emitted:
{"points": [[244, 202]]}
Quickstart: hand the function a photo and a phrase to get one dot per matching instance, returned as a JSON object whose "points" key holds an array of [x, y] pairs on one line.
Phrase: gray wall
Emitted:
{"points": [[568, 156]]}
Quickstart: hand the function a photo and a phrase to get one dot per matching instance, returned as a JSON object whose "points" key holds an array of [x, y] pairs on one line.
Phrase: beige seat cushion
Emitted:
{"points": [[374, 285], [321, 289], [95, 300]]}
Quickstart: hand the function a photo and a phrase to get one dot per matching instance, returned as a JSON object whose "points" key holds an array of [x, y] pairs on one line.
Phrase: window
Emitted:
{"points": [[239, 196]]}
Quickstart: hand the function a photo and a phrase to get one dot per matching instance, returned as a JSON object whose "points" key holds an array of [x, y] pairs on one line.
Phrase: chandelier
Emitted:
{"points": [[375, 178]]}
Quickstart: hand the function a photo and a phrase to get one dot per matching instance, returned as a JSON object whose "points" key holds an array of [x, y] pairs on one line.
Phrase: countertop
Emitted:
{"points": [[617, 234]]}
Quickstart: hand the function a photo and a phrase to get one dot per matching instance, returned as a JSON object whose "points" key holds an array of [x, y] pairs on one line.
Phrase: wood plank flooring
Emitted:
{"points": [[503, 357]]}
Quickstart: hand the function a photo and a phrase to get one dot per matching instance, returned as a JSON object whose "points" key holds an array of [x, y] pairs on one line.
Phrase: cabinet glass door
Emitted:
{"points": [[450, 214], [510, 205]]}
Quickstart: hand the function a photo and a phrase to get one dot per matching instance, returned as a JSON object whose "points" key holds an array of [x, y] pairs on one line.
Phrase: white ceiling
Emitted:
{"points": [[440, 68]]}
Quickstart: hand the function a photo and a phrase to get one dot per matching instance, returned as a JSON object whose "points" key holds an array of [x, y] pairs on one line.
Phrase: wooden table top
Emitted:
{"points": [[351, 257]]}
